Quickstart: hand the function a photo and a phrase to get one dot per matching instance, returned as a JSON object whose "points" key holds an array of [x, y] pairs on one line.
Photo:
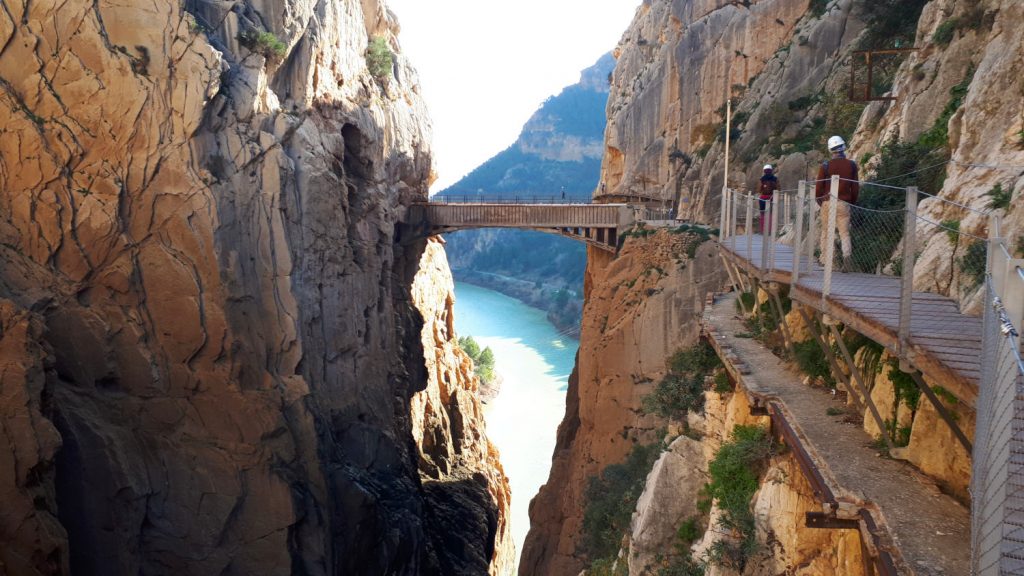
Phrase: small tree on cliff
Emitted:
{"points": [[379, 58]]}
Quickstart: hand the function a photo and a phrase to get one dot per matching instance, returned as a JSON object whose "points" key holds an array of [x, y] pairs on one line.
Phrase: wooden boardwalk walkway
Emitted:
{"points": [[928, 531], [944, 344]]}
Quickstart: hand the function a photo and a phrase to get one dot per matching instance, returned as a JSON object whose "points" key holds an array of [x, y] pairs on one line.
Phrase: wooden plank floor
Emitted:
{"points": [[946, 344]]}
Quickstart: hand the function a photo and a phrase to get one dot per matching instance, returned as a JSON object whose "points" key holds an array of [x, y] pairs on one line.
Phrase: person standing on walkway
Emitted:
{"points": [[563, 193], [766, 191], [849, 188]]}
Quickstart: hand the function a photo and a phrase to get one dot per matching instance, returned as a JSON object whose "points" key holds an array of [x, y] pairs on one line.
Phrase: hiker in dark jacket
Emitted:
{"points": [[849, 188], [766, 191]]}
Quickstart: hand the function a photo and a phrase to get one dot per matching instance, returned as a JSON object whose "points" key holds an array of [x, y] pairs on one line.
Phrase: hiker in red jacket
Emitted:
{"points": [[766, 190], [849, 188]]}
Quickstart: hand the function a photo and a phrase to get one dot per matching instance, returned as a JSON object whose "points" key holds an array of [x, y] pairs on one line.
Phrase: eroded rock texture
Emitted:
{"points": [[641, 307], [205, 239]]}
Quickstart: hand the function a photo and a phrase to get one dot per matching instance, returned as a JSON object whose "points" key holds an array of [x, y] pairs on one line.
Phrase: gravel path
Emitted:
{"points": [[931, 530]]}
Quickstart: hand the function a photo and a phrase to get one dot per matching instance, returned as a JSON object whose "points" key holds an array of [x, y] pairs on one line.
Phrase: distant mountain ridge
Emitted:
{"points": [[560, 146]]}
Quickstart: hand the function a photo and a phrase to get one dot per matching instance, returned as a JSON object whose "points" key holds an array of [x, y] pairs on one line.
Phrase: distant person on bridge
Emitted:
{"points": [[563, 193], [849, 188], [766, 191]]}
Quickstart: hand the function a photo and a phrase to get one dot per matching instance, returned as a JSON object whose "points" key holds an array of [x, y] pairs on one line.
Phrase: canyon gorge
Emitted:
{"points": [[223, 351]]}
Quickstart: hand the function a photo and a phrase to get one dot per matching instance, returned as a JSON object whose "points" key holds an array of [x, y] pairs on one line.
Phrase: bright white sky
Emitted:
{"points": [[486, 66]]}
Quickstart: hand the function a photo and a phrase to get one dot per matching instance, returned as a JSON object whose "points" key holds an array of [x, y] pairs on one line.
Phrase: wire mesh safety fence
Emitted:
{"points": [[997, 481], [956, 258], [956, 251], [865, 240]]}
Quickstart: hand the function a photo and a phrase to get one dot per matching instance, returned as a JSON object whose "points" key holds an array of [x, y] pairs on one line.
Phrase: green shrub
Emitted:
{"points": [[682, 389], [818, 7], [610, 498], [938, 135], [804, 102], [264, 43], [379, 58], [999, 199], [890, 23], [944, 33], [722, 385], [483, 360], [945, 395], [905, 388], [833, 411], [699, 358], [689, 531], [675, 395], [735, 471], [972, 264], [812, 361]]}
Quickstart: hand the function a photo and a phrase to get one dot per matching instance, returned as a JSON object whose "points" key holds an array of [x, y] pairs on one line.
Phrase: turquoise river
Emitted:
{"points": [[534, 361]]}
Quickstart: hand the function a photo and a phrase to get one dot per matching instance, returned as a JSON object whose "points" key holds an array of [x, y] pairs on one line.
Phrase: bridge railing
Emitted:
{"points": [[514, 198], [958, 251]]}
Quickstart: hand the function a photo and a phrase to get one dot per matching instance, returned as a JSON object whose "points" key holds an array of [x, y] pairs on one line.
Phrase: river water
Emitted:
{"points": [[534, 361]]}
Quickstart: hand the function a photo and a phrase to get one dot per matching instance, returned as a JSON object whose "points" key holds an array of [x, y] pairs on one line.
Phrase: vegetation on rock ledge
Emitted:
{"points": [[610, 500], [379, 58], [735, 472], [682, 389], [265, 43], [483, 360]]}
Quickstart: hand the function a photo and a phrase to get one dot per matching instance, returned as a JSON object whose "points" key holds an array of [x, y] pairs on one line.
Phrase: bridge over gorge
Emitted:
{"points": [[937, 337], [598, 225]]}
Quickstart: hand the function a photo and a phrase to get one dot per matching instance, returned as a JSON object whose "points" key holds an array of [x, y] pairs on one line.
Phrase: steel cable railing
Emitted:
{"points": [[997, 482], [509, 198], [957, 251]]}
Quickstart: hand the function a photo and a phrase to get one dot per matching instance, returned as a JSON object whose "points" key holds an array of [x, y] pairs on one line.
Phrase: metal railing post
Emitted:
{"points": [[798, 240], [765, 222], [734, 207], [830, 235], [812, 225], [722, 233], [748, 231], [774, 233], [787, 204], [907, 276]]}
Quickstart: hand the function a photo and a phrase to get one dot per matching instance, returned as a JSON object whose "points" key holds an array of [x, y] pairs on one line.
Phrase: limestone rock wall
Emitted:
{"points": [[986, 135], [206, 300], [641, 307], [457, 462], [678, 63], [674, 486]]}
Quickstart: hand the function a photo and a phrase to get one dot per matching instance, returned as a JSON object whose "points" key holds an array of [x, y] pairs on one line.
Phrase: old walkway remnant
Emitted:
{"points": [[978, 360]]}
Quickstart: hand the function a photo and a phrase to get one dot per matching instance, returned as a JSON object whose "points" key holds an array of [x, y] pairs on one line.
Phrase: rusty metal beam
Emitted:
{"points": [[803, 458], [862, 386], [832, 362], [884, 562], [828, 521], [869, 62]]}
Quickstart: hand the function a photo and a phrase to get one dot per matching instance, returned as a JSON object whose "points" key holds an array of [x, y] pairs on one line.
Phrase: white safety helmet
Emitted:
{"points": [[768, 167], [836, 144]]}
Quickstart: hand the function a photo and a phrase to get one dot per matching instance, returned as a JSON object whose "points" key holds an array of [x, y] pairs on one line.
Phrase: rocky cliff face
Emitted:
{"points": [[978, 45], [210, 344], [641, 307], [678, 63]]}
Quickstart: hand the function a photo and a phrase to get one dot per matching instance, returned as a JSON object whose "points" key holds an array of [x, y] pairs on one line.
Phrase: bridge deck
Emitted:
{"points": [[484, 215], [945, 344]]}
